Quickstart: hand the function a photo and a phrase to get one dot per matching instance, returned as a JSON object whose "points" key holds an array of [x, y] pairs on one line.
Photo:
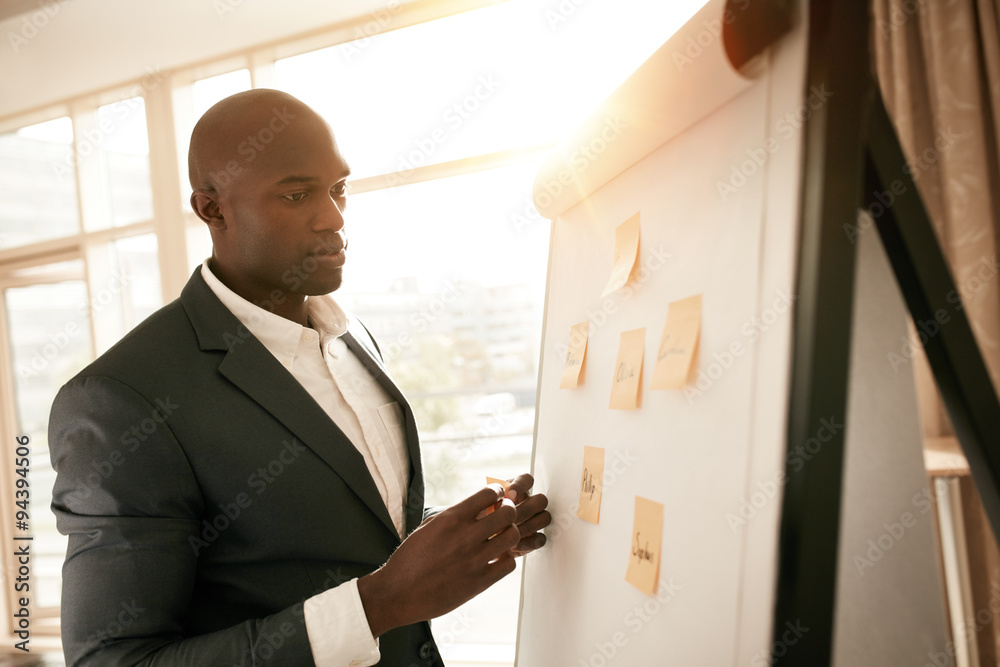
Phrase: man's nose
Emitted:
{"points": [[330, 216]]}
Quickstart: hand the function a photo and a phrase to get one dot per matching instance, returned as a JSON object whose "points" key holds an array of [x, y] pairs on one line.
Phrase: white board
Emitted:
{"points": [[710, 159]]}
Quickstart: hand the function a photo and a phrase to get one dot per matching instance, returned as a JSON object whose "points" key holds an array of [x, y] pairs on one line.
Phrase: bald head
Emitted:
{"points": [[233, 136], [271, 184]]}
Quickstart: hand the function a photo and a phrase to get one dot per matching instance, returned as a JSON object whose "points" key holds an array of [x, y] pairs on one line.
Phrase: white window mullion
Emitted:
{"points": [[262, 69], [164, 169]]}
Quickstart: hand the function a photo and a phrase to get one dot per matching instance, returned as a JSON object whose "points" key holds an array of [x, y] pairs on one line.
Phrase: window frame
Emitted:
{"points": [[167, 98]]}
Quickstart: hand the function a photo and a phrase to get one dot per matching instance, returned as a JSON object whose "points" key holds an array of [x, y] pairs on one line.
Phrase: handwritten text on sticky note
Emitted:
{"points": [[644, 550], [678, 345], [591, 482], [576, 356], [628, 370]]}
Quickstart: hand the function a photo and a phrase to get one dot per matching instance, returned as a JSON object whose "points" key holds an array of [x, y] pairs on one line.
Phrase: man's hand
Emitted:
{"points": [[531, 514], [449, 559]]}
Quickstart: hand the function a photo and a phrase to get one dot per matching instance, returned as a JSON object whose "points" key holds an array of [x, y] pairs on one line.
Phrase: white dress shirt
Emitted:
{"points": [[322, 363]]}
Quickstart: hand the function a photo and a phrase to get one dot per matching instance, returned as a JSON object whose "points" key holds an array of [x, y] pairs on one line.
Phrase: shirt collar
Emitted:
{"points": [[280, 336]]}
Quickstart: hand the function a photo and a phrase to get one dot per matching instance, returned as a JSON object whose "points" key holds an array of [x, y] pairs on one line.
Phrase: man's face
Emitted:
{"points": [[284, 212]]}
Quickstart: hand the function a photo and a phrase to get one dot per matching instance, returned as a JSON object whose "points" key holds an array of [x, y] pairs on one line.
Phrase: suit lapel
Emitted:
{"points": [[357, 341], [255, 371]]}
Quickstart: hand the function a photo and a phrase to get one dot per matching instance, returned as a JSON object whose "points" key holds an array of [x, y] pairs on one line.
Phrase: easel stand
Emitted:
{"points": [[851, 155]]}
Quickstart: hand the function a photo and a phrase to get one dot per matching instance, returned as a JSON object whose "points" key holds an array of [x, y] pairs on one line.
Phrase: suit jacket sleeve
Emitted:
{"points": [[129, 501]]}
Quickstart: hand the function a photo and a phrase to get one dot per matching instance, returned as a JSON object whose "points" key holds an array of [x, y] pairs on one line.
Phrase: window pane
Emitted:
{"points": [[449, 276], [38, 184], [204, 93], [199, 244], [513, 74], [138, 278], [50, 342], [207, 92], [124, 155]]}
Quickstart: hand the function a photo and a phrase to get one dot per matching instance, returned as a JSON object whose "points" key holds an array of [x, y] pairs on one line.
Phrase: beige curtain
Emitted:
{"points": [[938, 65]]}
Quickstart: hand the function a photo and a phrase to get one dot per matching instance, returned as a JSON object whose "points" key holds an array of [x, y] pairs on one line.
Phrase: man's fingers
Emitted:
{"points": [[529, 543], [504, 541], [519, 488], [531, 506], [479, 501], [501, 567], [490, 525], [534, 523]]}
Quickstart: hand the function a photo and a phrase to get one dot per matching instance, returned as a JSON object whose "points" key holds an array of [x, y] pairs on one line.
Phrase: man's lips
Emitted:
{"points": [[333, 257], [334, 248]]}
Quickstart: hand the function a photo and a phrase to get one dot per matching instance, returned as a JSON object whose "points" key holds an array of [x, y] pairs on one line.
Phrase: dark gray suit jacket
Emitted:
{"points": [[206, 495]]}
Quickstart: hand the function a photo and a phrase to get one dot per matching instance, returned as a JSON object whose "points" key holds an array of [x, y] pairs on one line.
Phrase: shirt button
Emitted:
{"points": [[425, 650]]}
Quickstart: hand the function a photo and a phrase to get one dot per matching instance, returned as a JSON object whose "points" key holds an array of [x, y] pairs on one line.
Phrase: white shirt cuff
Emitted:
{"points": [[338, 630]]}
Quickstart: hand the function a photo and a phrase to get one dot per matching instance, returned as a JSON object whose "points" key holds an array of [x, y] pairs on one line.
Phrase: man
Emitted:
{"points": [[260, 485]]}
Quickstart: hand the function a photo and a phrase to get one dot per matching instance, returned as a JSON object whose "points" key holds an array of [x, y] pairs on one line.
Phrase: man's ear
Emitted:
{"points": [[206, 206]]}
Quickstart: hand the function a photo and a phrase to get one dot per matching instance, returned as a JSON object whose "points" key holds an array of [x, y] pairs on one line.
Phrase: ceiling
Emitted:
{"points": [[58, 49]]}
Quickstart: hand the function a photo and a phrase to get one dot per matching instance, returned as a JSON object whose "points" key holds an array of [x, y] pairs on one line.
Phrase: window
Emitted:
{"points": [[50, 342], [453, 291], [444, 123], [37, 184]]}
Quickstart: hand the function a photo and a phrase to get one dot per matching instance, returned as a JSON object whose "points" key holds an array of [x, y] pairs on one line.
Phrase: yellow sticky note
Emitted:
{"points": [[591, 483], [502, 482], [679, 344], [573, 372], [628, 370], [644, 552], [626, 250]]}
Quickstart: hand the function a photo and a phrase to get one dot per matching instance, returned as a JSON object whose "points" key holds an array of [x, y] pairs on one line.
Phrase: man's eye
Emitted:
{"points": [[339, 190], [295, 196]]}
